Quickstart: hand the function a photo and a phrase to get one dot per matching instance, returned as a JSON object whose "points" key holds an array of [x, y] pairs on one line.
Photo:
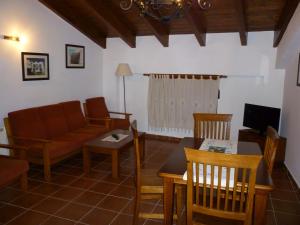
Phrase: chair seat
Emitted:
{"points": [[11, 169]]}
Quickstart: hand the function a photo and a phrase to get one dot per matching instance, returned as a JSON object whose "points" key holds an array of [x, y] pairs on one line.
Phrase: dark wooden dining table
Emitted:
{"points": [[173, 170]]}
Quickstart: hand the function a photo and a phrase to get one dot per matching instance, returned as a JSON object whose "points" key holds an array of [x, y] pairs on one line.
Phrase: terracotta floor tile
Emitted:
{"points": [[9, 194], [124, 191], [63, 179], [74, 171], [286, 206], [73, 211], [50, 205], [29, 218], [83, 182], [108, 178], [113, 203], [47, 189], [284, 195], [8, 212], [103, 187], [123, 219], [94, 174], [28, 200], [58, 221], [99, 217], [129, 181], [145, 207], [270, 218], [104, 166], [283, 184], [287, 219], [67, 193], [90, 198]]}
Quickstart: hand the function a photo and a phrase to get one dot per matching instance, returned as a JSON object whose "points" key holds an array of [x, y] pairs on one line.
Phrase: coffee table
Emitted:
{"points": [[97, 145]]}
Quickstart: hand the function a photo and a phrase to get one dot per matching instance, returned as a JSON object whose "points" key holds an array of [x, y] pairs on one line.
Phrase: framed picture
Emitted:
{"points": [[35, 66], [74, 56], [298, 72]]}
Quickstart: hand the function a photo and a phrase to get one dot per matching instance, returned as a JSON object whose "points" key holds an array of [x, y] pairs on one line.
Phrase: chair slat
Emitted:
{"points": [[234, 188], [212, 178]]}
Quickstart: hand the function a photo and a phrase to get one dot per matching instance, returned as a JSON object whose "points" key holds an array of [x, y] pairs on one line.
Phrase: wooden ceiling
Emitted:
{"points": [[101, 19]]}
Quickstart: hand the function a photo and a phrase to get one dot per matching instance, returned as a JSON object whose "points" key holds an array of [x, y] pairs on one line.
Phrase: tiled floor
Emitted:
{"points": [[97, 199]]}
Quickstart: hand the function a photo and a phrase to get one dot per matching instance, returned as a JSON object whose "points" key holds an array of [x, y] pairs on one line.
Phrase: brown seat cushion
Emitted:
{"points": [[94, 131], [76, 138], [54, 120], [11, 169], [120, 124], [27, 123], [96, 108], [73, 114]]}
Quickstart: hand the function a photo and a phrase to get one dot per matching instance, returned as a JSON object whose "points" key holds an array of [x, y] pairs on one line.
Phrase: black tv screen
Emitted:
{"points": [[260, 117]]}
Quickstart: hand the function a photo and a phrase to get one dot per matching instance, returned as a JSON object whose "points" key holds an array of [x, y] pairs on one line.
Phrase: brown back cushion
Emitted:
{"points": [[96, 108], [73, 115], [54, 120], [27, 123]]}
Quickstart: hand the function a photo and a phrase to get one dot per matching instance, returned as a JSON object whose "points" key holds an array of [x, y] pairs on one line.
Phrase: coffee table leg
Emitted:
{"points": [[115, 164], [86, 160]]}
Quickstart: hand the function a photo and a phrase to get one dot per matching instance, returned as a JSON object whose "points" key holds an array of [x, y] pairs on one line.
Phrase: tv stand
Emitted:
{"points": [[251, 135]]}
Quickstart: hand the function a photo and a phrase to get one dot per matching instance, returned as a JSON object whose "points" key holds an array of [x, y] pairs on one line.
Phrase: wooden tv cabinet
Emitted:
{"points": [[253, 136]]}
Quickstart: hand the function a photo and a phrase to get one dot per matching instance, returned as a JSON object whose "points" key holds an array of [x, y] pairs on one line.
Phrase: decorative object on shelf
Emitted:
{"points": [[75, 56], [124, 70], [298, 74], [10, 38], [163, 10], [35, 66]]}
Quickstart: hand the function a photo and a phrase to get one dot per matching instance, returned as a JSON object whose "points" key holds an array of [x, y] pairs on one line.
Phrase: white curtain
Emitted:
{"points": [[172, 102]]}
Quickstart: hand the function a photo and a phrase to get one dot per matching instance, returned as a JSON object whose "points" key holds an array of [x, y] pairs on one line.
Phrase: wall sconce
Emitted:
{"points": [[10, 38]]}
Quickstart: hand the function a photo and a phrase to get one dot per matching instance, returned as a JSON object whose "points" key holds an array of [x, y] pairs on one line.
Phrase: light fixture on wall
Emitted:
{"points": [[10, 38], [124, 70], [163, 10]]}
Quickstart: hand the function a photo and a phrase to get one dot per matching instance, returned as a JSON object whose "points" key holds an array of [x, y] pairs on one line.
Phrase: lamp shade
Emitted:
{"points": [[123, 70]]}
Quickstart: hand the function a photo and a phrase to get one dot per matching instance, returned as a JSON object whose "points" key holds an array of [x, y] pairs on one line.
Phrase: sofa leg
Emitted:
{"points": [[47, 172], [24, 182]]}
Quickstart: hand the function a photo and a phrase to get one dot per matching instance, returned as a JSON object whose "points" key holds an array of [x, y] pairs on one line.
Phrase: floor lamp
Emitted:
{"points": [[124, 70]]}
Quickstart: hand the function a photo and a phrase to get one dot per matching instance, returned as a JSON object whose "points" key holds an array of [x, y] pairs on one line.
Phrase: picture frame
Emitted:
{"points": [[75, 56], [298, 72], [35, 66]]}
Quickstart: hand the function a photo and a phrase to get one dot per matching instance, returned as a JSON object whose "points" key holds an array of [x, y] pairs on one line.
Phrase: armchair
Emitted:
{"points": [[15, 167], [97, 113]]}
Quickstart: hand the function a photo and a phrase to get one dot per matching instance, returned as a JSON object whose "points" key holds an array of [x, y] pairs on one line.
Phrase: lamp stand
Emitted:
{"points": [[124, 94]]}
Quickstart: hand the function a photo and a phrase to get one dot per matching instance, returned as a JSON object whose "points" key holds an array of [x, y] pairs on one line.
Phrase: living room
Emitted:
{"points": [[256, 73]]}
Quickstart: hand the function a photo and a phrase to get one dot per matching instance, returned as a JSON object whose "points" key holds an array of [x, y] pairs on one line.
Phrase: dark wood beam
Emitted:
{"points": [[196, 19], [284, 19], [113, 19], [241, 16], [97, 36]]}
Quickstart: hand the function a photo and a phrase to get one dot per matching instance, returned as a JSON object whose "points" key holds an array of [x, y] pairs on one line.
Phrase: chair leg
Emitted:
{"points": [[136, 209], [179, 204], [24, 182]]}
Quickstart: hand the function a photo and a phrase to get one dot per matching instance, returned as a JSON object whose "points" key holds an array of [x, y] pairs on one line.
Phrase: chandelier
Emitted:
{"points": [[163, 10]]}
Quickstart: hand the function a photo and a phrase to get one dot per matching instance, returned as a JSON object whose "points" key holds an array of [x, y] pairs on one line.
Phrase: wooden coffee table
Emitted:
{"points": [[97, 145]]}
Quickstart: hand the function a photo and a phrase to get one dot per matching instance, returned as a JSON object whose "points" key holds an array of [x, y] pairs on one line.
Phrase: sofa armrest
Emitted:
{"points": [[21, 150], [106, 121]]}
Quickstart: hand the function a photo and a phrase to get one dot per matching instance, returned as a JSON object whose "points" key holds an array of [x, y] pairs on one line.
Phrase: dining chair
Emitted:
{"points": [[271, 146], [213, 126], [149, 185], [220, 185]]}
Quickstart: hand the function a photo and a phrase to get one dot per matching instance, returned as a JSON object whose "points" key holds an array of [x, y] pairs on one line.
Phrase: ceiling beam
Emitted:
{"points": [[241, 16], [196, 20], [97, 36], [160, 30], [284, 19], [113, 19]]}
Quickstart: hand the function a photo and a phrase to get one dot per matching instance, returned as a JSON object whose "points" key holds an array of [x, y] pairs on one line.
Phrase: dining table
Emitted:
{"points": [[173, 170]]}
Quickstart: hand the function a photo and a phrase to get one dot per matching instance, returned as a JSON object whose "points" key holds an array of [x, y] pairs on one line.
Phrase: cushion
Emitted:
{"points": [[11, 169], [54, 120], [77, 138], [96, 108], [94, 131], [73, 114], [27, 123], [120, 124]]}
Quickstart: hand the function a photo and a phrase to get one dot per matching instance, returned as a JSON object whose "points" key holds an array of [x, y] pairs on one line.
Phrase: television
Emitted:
{"points": [[260, 117]]}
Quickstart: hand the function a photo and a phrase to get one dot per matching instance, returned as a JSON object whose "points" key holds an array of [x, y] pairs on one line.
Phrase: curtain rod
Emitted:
{"points": [[189, 76]]}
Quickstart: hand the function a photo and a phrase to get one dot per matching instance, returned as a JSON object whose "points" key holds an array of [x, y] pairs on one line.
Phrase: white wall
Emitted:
{"points": [[251, 70], [288, 55], [44, 32]]}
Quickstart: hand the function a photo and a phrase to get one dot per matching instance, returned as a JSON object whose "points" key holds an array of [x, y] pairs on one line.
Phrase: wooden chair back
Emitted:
{"points": [[213, 126], [271, 147], [220, 185], [137, 153]]}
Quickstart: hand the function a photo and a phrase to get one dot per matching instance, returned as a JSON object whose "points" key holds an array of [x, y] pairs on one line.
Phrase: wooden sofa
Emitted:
{"points": [[51, 133]]}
